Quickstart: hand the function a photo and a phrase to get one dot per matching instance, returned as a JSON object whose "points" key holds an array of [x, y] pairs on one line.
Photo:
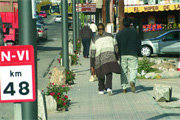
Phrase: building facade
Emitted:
{"points": [[153, 17]]}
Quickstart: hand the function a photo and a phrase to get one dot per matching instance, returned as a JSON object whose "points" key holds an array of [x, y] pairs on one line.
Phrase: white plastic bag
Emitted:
{"points": [[93, 78]]}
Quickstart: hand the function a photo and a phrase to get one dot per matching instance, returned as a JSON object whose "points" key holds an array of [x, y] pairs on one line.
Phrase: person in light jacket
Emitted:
{"points": [[103, 59]]}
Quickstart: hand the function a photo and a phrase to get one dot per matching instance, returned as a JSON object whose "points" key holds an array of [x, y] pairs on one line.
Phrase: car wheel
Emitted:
{"points": [[146, 51]]}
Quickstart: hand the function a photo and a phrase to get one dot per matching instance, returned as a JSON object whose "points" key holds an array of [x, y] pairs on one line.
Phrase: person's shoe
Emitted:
{"points": [[133, 88], [101, 92], [124, 91], [109, 91]]}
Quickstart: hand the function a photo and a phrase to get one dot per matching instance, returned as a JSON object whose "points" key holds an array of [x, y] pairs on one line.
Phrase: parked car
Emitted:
{"points": [[43, 14], [166, 43], [58, 19], [40, 19], [42, 31]]}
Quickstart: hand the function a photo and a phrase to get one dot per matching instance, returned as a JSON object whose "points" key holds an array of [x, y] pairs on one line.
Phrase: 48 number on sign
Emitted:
{"points": [[23, 88]]}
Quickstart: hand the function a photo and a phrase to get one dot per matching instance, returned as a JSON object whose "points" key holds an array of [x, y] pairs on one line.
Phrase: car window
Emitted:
{"points": [[172, 36]]}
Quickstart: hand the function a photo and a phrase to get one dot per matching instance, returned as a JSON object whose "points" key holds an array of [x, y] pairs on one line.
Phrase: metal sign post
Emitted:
{"points": [[27, 36]]}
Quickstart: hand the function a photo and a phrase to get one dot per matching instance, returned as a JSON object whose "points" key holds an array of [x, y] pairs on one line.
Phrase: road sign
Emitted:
{"points": [[86, 7], [17, 75]]}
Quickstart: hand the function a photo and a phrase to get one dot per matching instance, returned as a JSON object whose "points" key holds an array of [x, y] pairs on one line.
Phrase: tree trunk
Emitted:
{"points": [[121, 14], [104, 12]]}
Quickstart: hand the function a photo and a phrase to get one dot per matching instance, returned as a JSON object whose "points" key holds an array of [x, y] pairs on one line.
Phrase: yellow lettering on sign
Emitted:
{"points": [[177, 7], [151, 8], [166, 7], [136, 9]]}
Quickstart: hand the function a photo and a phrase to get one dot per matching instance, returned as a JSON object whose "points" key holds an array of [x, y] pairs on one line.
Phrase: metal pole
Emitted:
{"points": [[77, 21], [74, 26], [27, 36], [17, 111], [65, 54]]}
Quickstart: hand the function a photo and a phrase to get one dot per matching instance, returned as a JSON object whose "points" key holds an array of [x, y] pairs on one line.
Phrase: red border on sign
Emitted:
{"points": [[29, 62]]}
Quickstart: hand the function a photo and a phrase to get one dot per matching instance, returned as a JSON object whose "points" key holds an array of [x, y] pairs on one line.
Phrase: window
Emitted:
{"points": [[172, 36]]}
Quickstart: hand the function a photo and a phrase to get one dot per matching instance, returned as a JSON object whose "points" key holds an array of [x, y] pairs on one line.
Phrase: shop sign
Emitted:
{"points": [[152, 27], [156, 27], [86, 7], [151, 8]]}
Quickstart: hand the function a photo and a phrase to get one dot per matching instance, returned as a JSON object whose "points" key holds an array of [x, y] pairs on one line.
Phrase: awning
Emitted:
{"points": [[151, 8]]}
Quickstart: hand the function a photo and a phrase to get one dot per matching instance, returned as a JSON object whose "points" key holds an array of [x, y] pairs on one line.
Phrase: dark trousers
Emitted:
{"points": [[102, 85], [86, 45]]}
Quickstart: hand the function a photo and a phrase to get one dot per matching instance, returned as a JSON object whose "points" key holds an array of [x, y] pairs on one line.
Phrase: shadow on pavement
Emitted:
{"points": [[41, 48], [81, 71], [163, 116], [115, 92], [141, 88]]}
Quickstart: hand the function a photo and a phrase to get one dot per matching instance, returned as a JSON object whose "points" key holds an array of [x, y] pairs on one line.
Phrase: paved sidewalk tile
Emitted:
{"points": [[87, 104]]}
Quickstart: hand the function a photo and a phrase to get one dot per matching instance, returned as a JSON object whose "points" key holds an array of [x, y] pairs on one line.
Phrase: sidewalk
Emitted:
{"points": [[87, 104]]}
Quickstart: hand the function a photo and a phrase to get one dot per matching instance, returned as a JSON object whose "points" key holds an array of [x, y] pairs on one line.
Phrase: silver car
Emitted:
{"points": [[166, 43], [42, 31], [58, 19]]}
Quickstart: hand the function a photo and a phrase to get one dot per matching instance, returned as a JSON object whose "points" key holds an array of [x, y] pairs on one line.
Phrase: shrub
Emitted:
{"points": [[74, 59], [70, 76], [59, 94], [78, 46], [145, 65]]}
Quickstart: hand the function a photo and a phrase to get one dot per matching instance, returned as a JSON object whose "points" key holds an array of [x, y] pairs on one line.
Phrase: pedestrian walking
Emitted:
{"points": [[86, 36], [93, 28], [129, 44], [1, 32], [103, 59]]}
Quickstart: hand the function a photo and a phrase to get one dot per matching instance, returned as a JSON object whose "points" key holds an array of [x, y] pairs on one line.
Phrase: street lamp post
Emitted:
{"points": [[65, 53], [77, 22], [74, 26]]}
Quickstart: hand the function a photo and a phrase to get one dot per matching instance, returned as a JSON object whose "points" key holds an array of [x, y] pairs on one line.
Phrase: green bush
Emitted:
{"points": [[74, 59], [145, 65], [70, 76]]}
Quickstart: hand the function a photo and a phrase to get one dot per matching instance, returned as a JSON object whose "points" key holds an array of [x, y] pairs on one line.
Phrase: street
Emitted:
{"points": [[47, 52]]}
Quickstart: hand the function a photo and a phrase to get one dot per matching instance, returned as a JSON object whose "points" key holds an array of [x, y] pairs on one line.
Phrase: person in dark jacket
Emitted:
{"points": [[86, 36], [1, 33], [129, 44]]}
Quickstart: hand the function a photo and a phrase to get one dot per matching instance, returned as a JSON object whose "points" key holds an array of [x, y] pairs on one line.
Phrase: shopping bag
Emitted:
{"points": [[93, 78]]}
